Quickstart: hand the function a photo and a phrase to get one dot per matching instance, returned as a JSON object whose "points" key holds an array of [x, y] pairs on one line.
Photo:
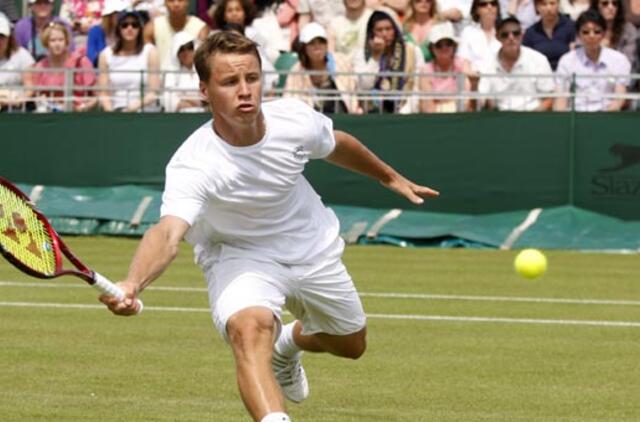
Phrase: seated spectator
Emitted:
{"points": [[478, 41], [56, 39], [386, 51], [589, 61], [320, 11], [182, 92], [518, 80], [129, 53], [443, 44], [13, 60], [265, 26], [29, 29], [161, 29], [315, 57], [553, 34], [104, 34], [347, 33], [418, 23], [574, 8], [524, 10], [619, 34], [82, 15]]}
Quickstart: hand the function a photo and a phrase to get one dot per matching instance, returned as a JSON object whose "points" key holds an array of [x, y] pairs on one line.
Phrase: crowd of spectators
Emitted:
{"points": [[339, 56]]}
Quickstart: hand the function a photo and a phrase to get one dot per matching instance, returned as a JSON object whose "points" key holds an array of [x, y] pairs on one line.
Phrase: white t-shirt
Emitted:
{"points": [[254, 201], [124, 82], [10, 74], [475, 47], [531, 74]]}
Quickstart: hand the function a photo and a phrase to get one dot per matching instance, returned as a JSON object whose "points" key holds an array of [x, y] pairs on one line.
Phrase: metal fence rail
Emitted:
{"points": [[20, 98]]}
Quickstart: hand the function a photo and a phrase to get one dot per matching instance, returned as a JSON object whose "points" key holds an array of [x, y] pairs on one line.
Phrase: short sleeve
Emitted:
{"points": [[185, 191], [323, 140]]}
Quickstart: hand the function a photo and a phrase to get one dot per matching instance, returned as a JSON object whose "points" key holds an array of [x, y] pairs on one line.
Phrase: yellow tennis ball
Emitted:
{"points": [[530, 263]]}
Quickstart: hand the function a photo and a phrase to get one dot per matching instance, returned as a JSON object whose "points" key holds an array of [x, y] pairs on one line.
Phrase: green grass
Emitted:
{"points": [[68, 364]]}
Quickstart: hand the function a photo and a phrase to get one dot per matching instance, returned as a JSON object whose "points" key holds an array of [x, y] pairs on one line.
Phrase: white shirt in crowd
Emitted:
{"points": [[612, 69], [254, 201], [322, 11], [350, 36], [125, 86], [475, 47], [518, 89], [10, 69]]}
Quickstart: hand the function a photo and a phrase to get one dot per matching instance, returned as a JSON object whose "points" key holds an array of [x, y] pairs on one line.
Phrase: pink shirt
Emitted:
{"points": [[445, 84], [84, 78]]}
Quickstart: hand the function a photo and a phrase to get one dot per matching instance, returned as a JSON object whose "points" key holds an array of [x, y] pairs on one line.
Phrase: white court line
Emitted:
{"points": [[445, 318], [389, 295]]}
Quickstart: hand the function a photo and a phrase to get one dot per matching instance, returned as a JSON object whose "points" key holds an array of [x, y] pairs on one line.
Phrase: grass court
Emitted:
{"points": [[454, 335]]}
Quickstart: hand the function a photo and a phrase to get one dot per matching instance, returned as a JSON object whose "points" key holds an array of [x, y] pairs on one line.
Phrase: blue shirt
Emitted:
{"points": [[96, 42], [563, 34]]}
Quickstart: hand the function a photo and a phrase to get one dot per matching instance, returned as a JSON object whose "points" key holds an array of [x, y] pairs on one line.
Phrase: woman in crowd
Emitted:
{"points": [[478, 41], [47, 83], [182, 84], [443, 44], [104, 34], [619, 34], [124, 64], [385, 53], [418, 23], [314, 57], [13, 60], [553, 34], [593, 66]]}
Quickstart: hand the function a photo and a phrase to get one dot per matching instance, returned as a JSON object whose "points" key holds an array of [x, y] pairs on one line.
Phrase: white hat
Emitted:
{"points": [[442, 31], [5, 25], [312, 30], [114, 6]]}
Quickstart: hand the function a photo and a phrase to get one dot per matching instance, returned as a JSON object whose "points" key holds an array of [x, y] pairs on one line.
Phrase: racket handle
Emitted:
{"points": [[104, 285]]}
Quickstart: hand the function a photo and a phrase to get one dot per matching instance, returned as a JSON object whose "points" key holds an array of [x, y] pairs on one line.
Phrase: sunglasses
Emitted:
{"points": [[606, 3], [591, 31], [503, 35], [488, 3], [444, 44], [125, 25]]}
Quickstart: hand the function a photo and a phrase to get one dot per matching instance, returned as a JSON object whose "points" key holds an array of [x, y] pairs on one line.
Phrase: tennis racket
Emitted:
{"points": [[28, 241]]}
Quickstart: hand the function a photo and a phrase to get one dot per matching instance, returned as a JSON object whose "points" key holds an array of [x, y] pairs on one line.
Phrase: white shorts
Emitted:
{"points": [[321, 296]]}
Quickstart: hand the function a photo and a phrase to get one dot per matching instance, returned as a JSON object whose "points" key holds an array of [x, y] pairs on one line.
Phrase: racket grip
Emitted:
{"points": [[104, 285]]}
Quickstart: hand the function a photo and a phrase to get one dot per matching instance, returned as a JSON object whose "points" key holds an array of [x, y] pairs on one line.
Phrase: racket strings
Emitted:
{"points": [[23, 235]]}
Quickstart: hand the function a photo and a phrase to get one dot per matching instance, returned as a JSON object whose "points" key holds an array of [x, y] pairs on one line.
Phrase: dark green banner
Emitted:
{"points": [[481, 162]]}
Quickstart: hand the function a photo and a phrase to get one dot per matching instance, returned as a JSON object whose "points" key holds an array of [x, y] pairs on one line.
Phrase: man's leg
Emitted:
{"points": [[348, 346], [251, 333]]}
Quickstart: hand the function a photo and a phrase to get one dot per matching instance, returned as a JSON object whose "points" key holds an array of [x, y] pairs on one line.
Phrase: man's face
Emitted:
{"points": [[590, 35], [384, 29], [510, 35], [234, 89], [177, 7], [42, 9], [547, 8]]}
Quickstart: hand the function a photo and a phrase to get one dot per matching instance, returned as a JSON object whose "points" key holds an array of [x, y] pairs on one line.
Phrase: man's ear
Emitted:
{"points": [[204, 92]]}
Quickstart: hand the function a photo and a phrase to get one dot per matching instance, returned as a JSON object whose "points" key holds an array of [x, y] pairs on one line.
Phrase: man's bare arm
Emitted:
{"points": [[353, 155], [157, 249]]}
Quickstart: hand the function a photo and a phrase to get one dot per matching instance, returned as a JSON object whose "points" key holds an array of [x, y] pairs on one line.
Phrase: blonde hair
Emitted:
{"points": [[46, 33], [222, 42]]}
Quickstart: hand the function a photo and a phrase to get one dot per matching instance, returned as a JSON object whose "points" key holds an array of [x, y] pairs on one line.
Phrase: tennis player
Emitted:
{"points": [[261, 234]]}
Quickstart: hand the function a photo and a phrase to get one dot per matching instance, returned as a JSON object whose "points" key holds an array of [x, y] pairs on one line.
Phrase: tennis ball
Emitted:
{"points": [[530, 263]]}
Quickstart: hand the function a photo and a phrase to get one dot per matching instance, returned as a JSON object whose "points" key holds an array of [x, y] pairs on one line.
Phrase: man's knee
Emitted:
{"points": [[358, 345], [251, 328]]}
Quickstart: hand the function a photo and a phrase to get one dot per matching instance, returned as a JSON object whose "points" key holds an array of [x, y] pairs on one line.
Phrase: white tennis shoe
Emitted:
{"points": [[291, 376]]}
